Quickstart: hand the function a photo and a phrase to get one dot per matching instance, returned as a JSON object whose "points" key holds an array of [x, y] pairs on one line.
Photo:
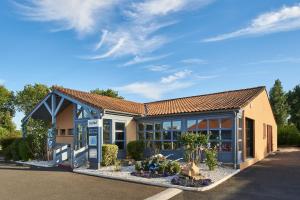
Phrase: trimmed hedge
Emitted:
{"points": [[109, 154], [17, 148], [288, 135], [135, 149]]}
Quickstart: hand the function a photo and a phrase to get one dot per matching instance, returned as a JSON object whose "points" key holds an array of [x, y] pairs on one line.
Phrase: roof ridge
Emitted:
{"points": [[94, 94], [207, 94]]}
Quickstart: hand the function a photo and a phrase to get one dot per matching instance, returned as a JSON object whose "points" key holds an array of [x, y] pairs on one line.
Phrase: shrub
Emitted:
{"points": [[109, 154], [211, 158], [135, 149], [138, 166], [24, 150], [6, 142], [173, 167], [288, 135], [117, 166]]}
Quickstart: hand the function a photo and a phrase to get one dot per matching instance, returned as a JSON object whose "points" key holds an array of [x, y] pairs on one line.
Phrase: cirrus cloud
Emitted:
{"points": [[284, 19]]}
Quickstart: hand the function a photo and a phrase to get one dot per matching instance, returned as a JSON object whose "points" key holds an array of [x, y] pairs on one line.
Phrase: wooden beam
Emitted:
{"points": [[48, 108], [59, 105]]}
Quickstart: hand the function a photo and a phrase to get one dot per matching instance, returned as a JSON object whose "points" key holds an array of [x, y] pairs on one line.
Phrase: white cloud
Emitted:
{"points": [[194, 61], [157, 68], [152, 8], [276, 60], [284, 19], [81, 16], [139, 59], [155, 90], [176, 76], [129, 28]]}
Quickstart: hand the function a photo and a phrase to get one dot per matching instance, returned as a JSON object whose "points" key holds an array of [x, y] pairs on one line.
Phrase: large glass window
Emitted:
{"points": [[157, 128], [141, 134], [81, 136], [167, 131], [120, 135], [191, 126], [106, 131], [149, 132]]}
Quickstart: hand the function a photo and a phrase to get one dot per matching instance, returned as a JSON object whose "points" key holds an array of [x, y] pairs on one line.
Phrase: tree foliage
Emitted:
{"points": [[7, 109], [278, 101], [26, 100], [107, 92], [30, 96], [294, 103]]}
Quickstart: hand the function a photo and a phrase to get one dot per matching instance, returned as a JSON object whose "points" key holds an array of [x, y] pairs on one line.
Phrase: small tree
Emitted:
{"points": [[194, 145]]}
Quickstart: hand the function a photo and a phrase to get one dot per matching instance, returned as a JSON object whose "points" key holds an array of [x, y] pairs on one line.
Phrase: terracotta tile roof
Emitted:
{"points": [[228, 100], [103, 102]]}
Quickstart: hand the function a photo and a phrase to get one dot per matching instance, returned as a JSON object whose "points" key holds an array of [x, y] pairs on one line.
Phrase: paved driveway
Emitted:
{"points": [[276, 177], [17, 182]]}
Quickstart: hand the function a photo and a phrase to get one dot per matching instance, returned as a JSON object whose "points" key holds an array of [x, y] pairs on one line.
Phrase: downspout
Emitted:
{"points": [[235, 140]]}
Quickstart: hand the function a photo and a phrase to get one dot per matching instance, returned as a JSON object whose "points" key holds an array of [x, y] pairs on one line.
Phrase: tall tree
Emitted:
{"points": [[294, 102], [7, 109], [279, 104], [108, 92], [31, 95], [26, 100]]}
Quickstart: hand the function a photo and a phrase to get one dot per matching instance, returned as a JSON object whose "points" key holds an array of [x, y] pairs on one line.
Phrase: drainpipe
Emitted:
{"points": [[235, 139]]}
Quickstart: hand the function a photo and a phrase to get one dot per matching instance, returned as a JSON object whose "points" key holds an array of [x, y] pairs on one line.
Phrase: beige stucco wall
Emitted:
{"points": [[260, 111], [64, 120]]}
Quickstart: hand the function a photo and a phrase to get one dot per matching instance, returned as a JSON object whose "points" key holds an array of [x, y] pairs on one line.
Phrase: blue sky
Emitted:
{"points": [[150, 49]]}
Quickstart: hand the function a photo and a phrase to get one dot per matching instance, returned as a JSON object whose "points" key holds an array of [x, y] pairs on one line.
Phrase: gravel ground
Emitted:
{"points": [[216, 175]]}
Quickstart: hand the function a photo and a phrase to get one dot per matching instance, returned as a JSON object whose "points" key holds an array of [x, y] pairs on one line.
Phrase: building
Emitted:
{"points": [[240, 122]]}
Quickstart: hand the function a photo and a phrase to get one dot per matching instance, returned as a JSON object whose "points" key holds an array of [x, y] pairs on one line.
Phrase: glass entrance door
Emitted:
{"points": [[81, 135], [249, 138]]}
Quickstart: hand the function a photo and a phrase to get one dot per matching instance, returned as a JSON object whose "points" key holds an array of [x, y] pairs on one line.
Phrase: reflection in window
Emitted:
{"points": [[214, 124], [81, 136], [226, 134], [106, 131], [70, 131], [226, 146], [214, 135], [191, 125], [157, 128], [226, 123], [202, 124]]}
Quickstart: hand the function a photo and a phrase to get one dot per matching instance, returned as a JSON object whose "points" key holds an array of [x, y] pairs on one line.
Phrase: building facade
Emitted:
{"points": [[239, 123]]}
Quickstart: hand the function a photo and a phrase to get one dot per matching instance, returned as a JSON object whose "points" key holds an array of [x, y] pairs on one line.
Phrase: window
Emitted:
{"points": [[141, 135], [226, 123], [191, 126], [226, 134], [120, 135], [226, 146], [70, 131], [167, 131], [106, 131], [214, 124], [149, 132], [157, 128], [81, 136], [202, 124], [63, 132], [214, 135], [264, 131], [176, 127]]}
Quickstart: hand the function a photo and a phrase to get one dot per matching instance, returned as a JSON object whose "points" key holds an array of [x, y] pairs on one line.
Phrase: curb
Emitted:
{"points": [[199, 189]]}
